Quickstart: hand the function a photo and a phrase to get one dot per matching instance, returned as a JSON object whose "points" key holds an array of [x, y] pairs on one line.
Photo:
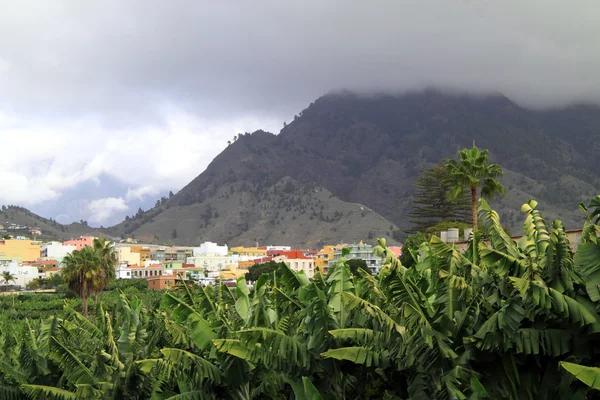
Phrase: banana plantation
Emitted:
{"points": [[501, 320]]}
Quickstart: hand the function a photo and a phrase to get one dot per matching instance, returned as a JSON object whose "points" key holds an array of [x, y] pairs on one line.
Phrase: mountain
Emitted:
{"points": [[343, 169], [368, 150]]}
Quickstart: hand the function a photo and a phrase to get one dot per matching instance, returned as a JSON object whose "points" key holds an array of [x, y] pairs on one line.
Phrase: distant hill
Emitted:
{"points": [[347, 151], [51, 230]]}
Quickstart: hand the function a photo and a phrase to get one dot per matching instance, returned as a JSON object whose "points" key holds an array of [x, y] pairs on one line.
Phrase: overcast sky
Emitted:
{"points": [[106, 105]]}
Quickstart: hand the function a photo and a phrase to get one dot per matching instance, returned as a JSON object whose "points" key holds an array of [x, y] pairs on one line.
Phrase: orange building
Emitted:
{"points": [[323, 257], [161, 282]]}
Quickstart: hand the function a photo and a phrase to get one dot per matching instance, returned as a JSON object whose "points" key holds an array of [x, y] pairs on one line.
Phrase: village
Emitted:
{"points": [[26, 259]]}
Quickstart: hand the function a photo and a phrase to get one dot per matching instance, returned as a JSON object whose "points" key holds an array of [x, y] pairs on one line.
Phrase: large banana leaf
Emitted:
{"points": [[587, 260], [588, 375], [37, 391]]}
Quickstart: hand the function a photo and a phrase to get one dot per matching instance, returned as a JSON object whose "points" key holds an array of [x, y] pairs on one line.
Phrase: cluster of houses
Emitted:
{"points": [[10, 227], [161, 265]]}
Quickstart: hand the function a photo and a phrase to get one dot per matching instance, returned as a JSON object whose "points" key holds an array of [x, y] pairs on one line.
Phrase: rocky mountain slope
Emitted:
{"points": [[246, 213], [368, 150]]}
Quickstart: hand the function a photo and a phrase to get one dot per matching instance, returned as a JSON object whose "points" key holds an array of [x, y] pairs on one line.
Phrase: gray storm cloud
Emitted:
{"points": [[102, 87], [272, 57]]}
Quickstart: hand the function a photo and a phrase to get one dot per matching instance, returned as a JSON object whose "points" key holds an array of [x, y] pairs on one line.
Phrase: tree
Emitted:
{"points": [[108, 260], [82, 273], [356, 264], [7, 277], [256, 270], [431, 204], [411, 247], [170, 194], [472, 171]]}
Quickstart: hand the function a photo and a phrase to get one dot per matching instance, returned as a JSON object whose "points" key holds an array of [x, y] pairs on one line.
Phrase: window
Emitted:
{"points": [[128, 273]]}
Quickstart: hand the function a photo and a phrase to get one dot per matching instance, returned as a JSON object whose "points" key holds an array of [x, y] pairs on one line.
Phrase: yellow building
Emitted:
{"points": [[144, 253], [232, 273], [249, 251], [126, 256], [19, 250], [324, 256], [50, 272]]}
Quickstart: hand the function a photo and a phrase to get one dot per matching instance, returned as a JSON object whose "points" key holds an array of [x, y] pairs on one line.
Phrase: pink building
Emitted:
{"points": [[80, 242]]}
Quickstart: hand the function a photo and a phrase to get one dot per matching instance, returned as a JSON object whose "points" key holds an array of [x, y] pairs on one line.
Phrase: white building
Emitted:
{"points": [[135, 271], [23, 274], [302, 264], [359, 251], [56, 251], [211, 248], [214, 262], [279, 248]]}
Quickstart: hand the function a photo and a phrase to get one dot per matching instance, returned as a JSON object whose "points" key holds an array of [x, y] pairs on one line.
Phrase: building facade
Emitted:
{"points": [[323, 257], [211, 262], [19, 250], [305, 264], [359, 251], [128, 257], [138, 272], [250, 252], [161, 282], [80, 242], [211, 248], [23, 274], [56, 251]]}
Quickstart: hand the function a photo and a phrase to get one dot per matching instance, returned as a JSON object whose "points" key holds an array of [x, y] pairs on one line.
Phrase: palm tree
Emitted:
{"points": [[8, 277], [82, 273], [108, 259], [473, 170]]}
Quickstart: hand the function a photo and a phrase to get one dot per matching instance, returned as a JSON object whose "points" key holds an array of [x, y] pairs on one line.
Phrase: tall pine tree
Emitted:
{"points": [[430, 201]]}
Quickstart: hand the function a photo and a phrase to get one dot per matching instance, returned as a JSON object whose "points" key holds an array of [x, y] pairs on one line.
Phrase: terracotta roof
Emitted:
{"points": [[52, 269], [396, 250], [153, 266]]}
